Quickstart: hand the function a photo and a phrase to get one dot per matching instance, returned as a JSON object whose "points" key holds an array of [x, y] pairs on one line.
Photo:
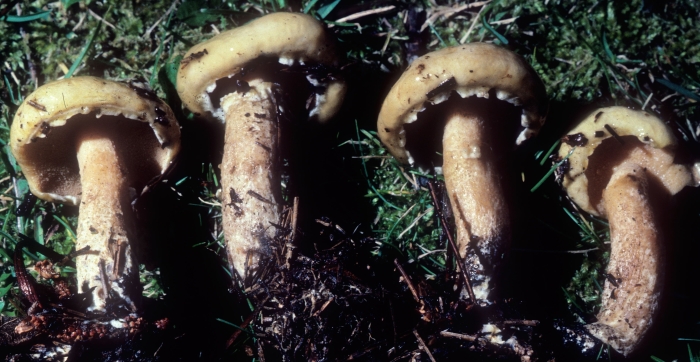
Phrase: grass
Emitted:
{"points": [[588, 53]]}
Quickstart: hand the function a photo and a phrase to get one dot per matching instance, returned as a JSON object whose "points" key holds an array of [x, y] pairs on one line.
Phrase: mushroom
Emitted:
{"points": [[471, 178], [620, 166], [235, 78], [95, 143]]}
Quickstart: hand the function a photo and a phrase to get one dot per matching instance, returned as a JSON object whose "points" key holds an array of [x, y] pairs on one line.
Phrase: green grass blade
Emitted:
{"points": [[154, 71], [676, 88], [6, 289], [606, 47], [82, 54], [68, 3], [9, 90], [691, 355], [4, 254], [309, 5], [551, 171], [493, 31], [14, 243], [326, 9], [9, 237], [231, 324], [432, 28], [572, 300], [549, 152], [364, 166], [27, 18], [65, 225]]}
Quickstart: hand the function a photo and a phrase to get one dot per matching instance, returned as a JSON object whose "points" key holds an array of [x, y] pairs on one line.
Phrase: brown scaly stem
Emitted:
{"points": [[453, 246], [105, 222], [250, 188]]}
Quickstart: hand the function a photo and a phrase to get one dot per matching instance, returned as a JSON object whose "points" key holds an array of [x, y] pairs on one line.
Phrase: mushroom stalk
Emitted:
{"points": [[476, 195], [629, 303], [249, 181], [103, 224], [622, 165]]}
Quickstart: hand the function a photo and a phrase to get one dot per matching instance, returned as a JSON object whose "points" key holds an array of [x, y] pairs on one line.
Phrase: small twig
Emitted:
{"points": [[362, 14], [521, 322], [423, 346], [504, 21], [565, 61], [245, 323], [323, 307], [101, 19], [647, 101], [12, 73], [289, 245], [614, 134], [407, 280], [464, 337], [259, 197], [471, 27], [415, 221], [324, 223], [453, 246], [210, 203], [664, 99], [295, 218], [446, 12], [79, 24], [368, 157], [153, 27], [582, 251], [431, 252], [261, 354]]}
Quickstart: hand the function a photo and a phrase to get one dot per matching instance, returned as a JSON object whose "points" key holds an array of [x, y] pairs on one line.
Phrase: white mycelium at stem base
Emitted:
{"points": [[475, 191], [248, 170], [104, 223]]}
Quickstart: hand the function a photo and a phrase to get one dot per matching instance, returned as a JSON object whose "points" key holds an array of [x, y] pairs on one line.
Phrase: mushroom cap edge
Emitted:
{"points": [[476, 69], [649, 129], [54, 104], [292, 37]]}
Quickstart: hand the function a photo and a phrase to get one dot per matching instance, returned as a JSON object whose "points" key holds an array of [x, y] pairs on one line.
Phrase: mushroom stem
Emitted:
{"points": [[476, 195], [104, 223], [249, 180], [631, 292]]}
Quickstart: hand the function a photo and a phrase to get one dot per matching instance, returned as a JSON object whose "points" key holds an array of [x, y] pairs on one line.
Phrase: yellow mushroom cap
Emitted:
{"points": [[293, 38], [470, 69], [594, 129], [46, 128]]}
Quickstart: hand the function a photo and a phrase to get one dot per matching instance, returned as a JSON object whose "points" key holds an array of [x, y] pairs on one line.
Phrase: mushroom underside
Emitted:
{"points": [[303, 87], [424, 135], [56, 168]]}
